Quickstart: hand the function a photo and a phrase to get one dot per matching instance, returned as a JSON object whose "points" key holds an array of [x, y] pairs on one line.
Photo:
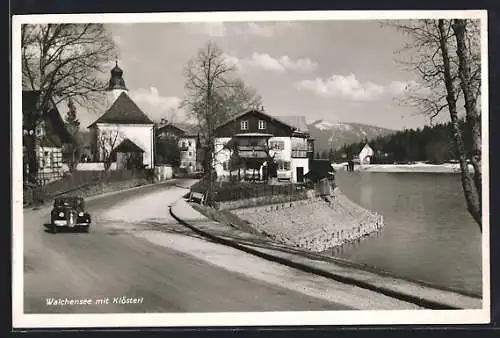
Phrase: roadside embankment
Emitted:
{"points": [[345, 272], [99, 188], [315, 224]]}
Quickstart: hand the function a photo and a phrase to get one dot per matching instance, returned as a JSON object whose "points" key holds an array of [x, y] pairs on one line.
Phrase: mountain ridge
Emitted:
{"points": [[333, 135]]}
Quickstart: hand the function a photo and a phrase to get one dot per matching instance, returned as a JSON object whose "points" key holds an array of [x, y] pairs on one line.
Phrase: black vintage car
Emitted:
{"points": [[69, 213]]}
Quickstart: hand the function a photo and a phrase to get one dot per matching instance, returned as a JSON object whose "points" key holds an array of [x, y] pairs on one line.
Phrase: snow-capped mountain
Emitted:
{"points": [[334, 135]]}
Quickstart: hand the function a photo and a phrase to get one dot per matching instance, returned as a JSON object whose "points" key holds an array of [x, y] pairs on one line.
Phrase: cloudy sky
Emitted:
{"points": [[333, 70]]}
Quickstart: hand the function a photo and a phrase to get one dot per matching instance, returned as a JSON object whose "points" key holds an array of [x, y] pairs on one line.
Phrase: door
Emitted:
{"points": [[300, 174]]}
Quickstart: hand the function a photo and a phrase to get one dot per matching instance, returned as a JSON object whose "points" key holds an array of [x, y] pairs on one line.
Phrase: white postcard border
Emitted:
{"points": [[21, 320]]}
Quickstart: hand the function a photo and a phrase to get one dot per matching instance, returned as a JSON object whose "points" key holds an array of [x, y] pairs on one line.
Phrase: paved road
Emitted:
{"points": [[108, 264]]}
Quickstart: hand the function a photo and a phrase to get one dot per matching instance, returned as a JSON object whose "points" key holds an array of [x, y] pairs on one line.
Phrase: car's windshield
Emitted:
{"points": [[73, 202]]}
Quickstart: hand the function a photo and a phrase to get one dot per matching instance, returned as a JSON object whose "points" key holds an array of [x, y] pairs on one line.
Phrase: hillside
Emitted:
{"points": [[434, 144], [333, 135]]}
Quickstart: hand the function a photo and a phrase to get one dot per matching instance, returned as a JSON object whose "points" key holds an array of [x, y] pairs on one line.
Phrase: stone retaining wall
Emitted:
{"points": [[314, 224], [264, 200]]}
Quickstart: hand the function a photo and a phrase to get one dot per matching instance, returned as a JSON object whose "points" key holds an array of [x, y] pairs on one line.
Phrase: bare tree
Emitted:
{"points": [[469, 72], [63, 61], [445, 80], [106, 143], [212, 96], [71, 151]]}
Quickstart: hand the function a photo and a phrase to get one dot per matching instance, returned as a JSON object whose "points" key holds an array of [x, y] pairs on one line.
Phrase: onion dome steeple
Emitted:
{"points": [[116, 81]]}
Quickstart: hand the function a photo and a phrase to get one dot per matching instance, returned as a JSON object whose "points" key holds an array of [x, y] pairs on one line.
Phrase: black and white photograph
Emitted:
{"points": [[250, 169]]}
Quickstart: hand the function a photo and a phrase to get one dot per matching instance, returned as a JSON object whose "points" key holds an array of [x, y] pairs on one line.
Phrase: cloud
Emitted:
{"points": [[347, 87], [154, 104], [266, 62], [263, 61], [300, 65]]}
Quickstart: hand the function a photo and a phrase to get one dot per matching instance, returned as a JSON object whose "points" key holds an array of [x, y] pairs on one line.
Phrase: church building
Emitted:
{"points": [[123, 137]]}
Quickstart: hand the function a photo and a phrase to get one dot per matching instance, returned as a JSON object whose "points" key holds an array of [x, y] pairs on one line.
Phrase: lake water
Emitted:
{"points": [[428, 234]]}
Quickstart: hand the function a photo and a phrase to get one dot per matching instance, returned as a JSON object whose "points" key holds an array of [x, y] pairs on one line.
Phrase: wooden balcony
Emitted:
{"points": [[252, 154], [259, 147], [299, 153]]}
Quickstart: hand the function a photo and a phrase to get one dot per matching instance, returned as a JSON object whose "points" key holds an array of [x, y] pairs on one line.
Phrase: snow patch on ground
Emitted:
{"points": [[343, 126], [324, 125]]}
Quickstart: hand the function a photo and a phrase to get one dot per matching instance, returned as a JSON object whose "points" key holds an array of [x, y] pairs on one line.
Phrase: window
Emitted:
{"points": [[183, 144], [244, 125], [47, 157], [189, 144], [277, 145], [262, 124], [190, 154], [283, 165], [225, 165]]}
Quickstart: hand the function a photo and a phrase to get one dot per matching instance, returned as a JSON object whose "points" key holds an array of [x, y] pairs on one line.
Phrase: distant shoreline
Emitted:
{"points": [[451, 168]]}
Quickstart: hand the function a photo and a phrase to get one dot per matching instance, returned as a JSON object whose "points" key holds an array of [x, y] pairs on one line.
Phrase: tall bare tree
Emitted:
{"points": [[446, 56], [63, 61], [469, 72], [71, 152], [213, 94]]}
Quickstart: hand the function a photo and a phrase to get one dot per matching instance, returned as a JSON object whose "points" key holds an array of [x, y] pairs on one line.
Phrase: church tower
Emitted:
{"points": [[116, 84]]}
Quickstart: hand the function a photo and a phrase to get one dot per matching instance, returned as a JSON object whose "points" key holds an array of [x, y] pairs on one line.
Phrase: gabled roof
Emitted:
{"points": [[298, 122], [127, 146], [123, 111], [272, 118], [188, 128], [170, 126], [56, 133]]}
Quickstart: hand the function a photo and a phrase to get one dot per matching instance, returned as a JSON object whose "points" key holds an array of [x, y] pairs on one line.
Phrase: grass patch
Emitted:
{"points": [[226, 217]]}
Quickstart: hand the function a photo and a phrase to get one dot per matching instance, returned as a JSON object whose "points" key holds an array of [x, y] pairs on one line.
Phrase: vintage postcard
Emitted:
{"points": [[250, 168]]}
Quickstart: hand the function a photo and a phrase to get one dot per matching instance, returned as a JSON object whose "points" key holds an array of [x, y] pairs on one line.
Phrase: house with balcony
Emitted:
{"points": [[186, 137], [250, 141], [46, 134]]}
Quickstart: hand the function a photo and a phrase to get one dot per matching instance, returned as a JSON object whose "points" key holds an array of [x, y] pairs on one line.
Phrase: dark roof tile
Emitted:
{"points": [[57, 133], [127, 146], [124, 111]]}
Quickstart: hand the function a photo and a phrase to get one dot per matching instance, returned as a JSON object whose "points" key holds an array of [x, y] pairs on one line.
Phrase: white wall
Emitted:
{"points": [[142, 135], [286, 153], [185, 158], [221, 155], [94, 166], [366, 151], [164, 172], [49, 164], [299, 162]]}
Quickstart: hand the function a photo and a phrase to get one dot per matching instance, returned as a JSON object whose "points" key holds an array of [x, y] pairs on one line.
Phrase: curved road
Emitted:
{"points": [[111, 262]]}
